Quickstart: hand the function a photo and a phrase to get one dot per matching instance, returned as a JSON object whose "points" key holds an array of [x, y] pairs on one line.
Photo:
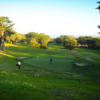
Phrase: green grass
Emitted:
{"points": [[79, 83], [61, 64], [94, 54]]}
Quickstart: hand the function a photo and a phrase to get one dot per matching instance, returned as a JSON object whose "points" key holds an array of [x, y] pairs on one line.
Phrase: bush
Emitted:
{"points": [[44, 47]]}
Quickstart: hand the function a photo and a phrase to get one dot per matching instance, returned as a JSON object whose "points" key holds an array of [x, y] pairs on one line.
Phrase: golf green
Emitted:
{"points": [[61, 64]]}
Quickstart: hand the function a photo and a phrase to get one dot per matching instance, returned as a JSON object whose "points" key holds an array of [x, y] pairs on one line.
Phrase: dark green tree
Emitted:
{"points": [[61, 39], [70, 43], [81, 40], [96, 43], [99, 12]]}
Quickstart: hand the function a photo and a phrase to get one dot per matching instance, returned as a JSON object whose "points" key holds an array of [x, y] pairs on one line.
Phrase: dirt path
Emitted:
{"points": [[44, 71], [68, 55], [90, 59], [22, 57], [87, 58]]}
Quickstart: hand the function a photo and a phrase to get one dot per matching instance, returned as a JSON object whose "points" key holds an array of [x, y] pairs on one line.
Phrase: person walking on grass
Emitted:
{"points": [[19, 63], [51, 60]]}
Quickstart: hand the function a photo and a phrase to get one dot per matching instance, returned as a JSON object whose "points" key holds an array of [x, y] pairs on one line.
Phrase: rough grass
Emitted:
{"points": [[80, 83]]}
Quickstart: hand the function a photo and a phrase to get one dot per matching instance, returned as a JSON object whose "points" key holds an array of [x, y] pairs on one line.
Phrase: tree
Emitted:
{"points": [[89, 41], [22, 38], [31, 35], [35, 39], [81, 40], [46, 37], [5, 23], [96, 43], [8, 34], [99, 12], [61, 39], [98, 7], [33, 42], [43, 43], [70, 43]]}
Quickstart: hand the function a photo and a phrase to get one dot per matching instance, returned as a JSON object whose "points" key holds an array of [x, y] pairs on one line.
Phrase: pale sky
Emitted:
{"points": [[53, 17]]}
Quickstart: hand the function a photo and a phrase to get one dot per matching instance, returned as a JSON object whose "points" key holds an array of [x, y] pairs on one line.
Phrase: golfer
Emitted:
{"points": [[51, 60], [19, 63]]}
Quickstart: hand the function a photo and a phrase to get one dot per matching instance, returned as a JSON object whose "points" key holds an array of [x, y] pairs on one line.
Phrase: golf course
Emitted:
{"points": [[73, 75]]}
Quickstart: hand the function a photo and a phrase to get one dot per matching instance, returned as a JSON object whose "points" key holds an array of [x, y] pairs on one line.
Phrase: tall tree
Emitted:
{"points": [[81, 40], [31, 35], [43, 43], [70, 43], [99, 12], [5, 23], [8, 34], [61, 39], [98, 7], [33, 42]]}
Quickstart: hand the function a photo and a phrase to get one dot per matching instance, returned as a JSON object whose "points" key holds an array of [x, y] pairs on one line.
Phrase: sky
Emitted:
{"points": [[53, 17]]}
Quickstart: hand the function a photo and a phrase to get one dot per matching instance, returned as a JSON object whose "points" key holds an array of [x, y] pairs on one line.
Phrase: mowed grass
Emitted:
{"points": [[61, 64], [79, 83], [94, 54]]}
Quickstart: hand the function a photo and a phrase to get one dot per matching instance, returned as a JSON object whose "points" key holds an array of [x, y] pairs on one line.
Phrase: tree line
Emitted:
{"points": [[33, 38], [37, 39], [89, 41], [70, 42], [8, 35]]}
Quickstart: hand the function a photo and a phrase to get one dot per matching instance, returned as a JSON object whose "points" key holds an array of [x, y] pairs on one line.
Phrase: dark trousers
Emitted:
{"points": [[51, 62], [18, 66]]}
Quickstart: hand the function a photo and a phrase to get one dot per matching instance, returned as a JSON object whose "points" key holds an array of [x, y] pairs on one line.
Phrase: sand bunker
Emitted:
{"points": [[82, 64], [22, 57]]}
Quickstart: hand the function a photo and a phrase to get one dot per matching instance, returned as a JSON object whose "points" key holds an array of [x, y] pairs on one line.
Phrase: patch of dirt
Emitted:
{"points": [[98, 80], [82, 64], [49, 50], [22, 57], [68, 55], [44, 71]]}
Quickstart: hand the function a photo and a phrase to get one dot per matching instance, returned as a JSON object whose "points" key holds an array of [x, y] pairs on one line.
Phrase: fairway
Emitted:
{"points": [[61, 64], [39, 80]]}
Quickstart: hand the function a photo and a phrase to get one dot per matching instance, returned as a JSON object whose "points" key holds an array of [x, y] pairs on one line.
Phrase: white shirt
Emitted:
{"points": [[19, 63]]}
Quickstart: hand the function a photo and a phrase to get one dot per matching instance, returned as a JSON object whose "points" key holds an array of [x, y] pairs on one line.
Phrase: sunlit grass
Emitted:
{"points": [[79, 83], [2, 53]]}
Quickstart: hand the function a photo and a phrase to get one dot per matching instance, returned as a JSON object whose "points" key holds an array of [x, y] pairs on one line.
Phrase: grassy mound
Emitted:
{"points": [[61, 64]]}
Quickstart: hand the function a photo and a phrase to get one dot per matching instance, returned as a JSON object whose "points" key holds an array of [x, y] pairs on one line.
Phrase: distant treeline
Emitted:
{"points": [[33, 38], [82, 41], [69, 42], [89, 41], [41, 40]]}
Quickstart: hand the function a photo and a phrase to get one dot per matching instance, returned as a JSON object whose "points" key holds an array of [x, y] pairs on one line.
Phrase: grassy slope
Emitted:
{"points": [[79, 83]]}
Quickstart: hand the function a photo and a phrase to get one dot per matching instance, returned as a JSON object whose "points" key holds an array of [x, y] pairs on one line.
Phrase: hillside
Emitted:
{"points": [[39, 80]]}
